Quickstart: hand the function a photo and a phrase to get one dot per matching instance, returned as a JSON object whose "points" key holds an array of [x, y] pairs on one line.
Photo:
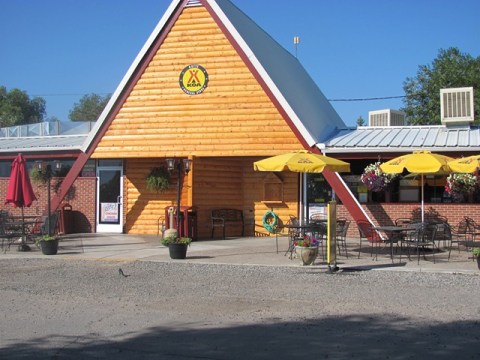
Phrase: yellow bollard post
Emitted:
{"points": [[332, 236]]}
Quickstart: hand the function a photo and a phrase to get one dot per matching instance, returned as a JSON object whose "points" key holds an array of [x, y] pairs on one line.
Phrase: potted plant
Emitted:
{"points": [[476, 254], [177, 246], [158, 180], [307, 249], [48, 244], [375, 179]]}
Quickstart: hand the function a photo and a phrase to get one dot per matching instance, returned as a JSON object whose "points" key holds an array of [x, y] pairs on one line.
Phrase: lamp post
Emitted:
{"points": [[182, 166], [47, 168]]}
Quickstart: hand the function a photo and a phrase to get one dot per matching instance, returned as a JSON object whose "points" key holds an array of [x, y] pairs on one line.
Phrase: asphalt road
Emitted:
{"points": [[70, 309]]}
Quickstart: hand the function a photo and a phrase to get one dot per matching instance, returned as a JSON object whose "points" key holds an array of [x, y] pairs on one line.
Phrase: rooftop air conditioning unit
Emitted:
{"points": [[456, 106], [387, 117]]}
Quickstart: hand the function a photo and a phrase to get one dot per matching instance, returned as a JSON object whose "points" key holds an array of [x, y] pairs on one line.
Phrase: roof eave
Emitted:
{"points": [[349, 150]]}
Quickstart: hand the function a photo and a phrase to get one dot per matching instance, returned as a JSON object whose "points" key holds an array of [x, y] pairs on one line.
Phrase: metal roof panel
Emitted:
{"points": [[405, 138], [42, 143]]}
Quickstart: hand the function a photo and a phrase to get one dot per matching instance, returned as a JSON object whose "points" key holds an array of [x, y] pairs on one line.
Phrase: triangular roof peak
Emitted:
{"points": [[291, 89]]}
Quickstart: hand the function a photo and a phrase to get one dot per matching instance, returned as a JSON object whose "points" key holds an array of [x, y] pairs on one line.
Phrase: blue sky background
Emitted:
{"points": [[63, 49]]}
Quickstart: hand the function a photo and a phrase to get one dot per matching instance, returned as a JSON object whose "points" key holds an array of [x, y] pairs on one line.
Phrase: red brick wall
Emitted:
{"points": [[81, 198]]}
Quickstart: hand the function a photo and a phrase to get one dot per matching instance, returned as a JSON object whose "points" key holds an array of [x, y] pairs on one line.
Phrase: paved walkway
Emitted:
{"points": [[240, 251]]}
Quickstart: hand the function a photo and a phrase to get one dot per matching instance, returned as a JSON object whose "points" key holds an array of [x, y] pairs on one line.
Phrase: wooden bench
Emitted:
{"points": [[222, 217]]}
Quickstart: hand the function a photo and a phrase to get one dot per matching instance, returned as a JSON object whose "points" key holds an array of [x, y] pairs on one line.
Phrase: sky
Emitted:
{"points": [[353, 49]]}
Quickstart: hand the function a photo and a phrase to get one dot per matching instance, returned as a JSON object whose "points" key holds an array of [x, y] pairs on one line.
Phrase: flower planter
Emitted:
{"points": [[307, 254], [177, 251], [49, 247]]}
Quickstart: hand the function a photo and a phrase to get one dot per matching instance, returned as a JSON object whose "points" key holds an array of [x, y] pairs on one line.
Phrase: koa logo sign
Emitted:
{"points": [[193, 79]]}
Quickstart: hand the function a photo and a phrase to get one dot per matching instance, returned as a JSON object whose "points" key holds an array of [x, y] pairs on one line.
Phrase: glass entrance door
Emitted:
{"points": [[109, 199]]}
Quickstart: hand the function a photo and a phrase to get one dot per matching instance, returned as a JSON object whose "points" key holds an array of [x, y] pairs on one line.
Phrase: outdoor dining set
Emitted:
{"points": [[20, 230], [404, 237], [409, 236]]}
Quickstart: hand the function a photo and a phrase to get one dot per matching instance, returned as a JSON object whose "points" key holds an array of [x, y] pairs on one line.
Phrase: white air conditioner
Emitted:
{"points": [[387, 117], [456, 106]]}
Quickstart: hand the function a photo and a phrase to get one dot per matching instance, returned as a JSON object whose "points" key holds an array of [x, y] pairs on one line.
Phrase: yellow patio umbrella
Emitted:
{"points": [[468, 164], [301, 161], [419, 162]]}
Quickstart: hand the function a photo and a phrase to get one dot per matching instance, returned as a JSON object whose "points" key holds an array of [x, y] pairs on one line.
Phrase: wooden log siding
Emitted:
{"points": [[218, 184], [213, 183], [253, 182], [232, 117], [145, 208], [232, 183]]}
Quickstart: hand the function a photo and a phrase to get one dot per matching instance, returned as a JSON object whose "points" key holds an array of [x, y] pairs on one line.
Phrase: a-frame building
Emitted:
{"points": [[211, 86]]}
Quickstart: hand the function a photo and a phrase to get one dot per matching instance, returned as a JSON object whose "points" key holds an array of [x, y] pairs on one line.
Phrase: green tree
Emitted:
{"points": [[88, 108], [16, 108], [450, 69], [360, 121]]}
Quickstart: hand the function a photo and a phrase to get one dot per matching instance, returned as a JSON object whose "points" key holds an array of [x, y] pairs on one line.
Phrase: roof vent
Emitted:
{"points": [[387, 117], [456, 106], [191, 3]]}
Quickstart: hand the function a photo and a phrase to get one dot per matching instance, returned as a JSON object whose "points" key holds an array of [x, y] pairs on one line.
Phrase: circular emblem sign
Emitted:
{"points": [[193, 79]]}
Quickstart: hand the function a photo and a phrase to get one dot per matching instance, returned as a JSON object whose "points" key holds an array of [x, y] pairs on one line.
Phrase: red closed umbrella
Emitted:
{"points": [[19, 191]]}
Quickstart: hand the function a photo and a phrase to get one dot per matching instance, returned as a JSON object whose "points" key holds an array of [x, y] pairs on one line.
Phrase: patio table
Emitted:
{"points": [[394, 234], [19, 229]]}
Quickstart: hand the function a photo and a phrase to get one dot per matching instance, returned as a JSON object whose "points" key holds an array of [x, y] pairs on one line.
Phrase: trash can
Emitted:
{"points": [[188, 220], [192, 223], [66, 219]]}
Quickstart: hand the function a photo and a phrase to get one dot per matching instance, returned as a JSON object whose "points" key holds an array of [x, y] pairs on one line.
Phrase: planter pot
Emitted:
{"points": [[307, 254], [49, 247], [478, 262], [177, 251]]}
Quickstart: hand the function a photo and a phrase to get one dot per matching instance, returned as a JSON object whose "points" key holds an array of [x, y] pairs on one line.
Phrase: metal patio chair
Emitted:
{"points": [[368, 233]]}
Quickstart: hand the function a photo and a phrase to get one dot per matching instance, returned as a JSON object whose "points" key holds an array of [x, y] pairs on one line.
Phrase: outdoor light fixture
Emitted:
{"points": [[183, 167], [170, 164], [45, 166], [58, 165], [187, 163]]}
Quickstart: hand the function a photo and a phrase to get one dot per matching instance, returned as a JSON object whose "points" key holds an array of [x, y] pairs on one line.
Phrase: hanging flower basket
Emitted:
{"points": [[39, 176], [375, 179], [158, 180], [461, 184]]}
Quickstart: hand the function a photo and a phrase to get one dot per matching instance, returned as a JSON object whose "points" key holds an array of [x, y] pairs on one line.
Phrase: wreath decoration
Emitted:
{"points": [[270, 221]]}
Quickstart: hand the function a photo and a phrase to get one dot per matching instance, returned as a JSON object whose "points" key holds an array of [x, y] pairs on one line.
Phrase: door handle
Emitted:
{"points": [[119, 199]]}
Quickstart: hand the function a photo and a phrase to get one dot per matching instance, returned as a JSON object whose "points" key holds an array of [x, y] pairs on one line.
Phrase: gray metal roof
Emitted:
{"points": [[297, 89], [379, 139], [42, 143]]}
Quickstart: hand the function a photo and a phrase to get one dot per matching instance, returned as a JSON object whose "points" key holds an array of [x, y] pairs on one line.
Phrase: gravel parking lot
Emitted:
{"points": [[71, 309]]}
